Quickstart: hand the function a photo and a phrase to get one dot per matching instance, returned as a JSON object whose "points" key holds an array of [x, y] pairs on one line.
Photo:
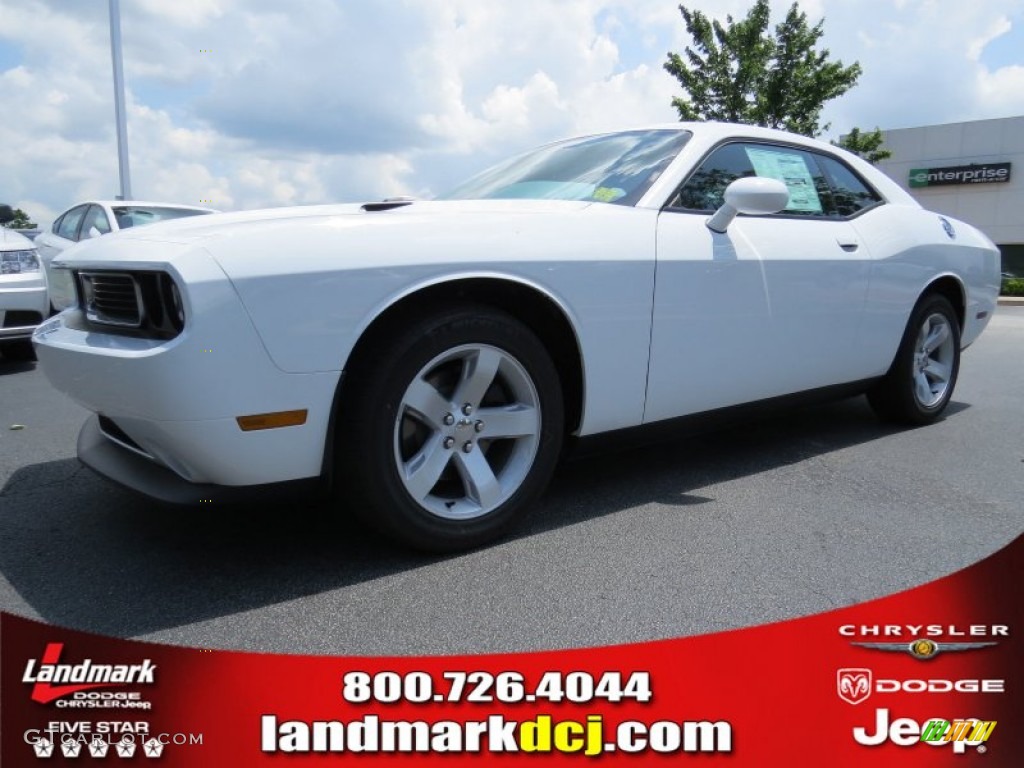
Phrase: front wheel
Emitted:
{"points": [[451, 430], [920, 383]]}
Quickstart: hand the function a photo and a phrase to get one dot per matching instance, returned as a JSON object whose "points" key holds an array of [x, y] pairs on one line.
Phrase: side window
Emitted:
{"points": [[124, 217], [96, 219], [851, 195], [69, 223], [809, 191], [704, 190]]}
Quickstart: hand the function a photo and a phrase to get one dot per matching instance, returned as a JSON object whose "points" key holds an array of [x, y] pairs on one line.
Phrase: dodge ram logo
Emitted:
{"points": [[853, 685]]}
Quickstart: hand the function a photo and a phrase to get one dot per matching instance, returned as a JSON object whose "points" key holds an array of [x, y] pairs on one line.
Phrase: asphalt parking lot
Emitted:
{"points": [[800, 513]]}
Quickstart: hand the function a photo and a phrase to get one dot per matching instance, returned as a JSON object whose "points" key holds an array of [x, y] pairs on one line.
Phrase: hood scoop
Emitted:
{"points": [[387, 204]]}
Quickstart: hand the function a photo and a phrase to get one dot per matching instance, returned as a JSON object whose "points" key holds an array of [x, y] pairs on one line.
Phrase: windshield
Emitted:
{"points": [[613, 168], [135, 216]]}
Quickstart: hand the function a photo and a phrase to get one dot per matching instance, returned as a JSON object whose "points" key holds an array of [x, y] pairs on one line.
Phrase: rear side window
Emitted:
{"points": [[819, 186], [135, 215], [68, 228], [850, 194], [96, 220]]}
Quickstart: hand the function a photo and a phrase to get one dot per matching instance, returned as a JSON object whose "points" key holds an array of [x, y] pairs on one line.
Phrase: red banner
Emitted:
{"points": [[928, 677]]}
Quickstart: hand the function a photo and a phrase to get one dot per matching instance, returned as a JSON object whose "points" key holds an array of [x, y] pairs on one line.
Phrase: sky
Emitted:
{"points": [[244, 104]]}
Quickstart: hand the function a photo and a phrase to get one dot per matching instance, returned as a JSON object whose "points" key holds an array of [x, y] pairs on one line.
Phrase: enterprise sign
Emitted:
{"points": [[983, 173]]}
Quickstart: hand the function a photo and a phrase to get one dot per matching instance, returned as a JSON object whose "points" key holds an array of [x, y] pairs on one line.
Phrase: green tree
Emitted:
{"points": [[740, 72], [867, 145], [15, 218]]}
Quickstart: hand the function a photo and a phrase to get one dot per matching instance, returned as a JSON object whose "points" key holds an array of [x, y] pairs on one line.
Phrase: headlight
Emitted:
{"points": [[173, 304], [136, 303], [16, 262]]}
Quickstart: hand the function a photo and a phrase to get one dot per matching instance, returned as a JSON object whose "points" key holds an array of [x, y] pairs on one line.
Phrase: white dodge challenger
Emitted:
{"points": [[426, 360]]}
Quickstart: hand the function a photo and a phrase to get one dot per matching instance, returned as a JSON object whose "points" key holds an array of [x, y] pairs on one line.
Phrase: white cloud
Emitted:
{"points": [[1001, 91], [997, 28], [185, 13], [250, 102], [921, 63]]}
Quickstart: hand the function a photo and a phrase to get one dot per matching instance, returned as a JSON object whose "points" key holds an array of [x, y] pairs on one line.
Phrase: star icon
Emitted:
{"points": [[71, 748], [125, 748], [154, 748], [43, 748], [98, 747]]}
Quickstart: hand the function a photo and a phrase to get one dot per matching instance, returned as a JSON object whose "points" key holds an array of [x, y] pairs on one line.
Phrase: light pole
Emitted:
{"points": [[119, 109]]}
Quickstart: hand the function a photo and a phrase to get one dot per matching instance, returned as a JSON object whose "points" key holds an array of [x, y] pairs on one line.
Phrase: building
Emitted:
{"points": [[972, 171]]}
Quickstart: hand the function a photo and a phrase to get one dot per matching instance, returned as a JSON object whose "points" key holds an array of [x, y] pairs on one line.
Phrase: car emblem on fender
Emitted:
{"points": [[923, 648], [853, 684]]}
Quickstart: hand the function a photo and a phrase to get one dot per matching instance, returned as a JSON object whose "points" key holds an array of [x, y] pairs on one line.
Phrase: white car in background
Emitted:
{"points": [[428, 359], [23, 303], [93, 219]]}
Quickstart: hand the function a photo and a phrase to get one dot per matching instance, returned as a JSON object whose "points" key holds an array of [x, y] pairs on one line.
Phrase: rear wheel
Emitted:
{"points": [[920, 383], [451, 430]]}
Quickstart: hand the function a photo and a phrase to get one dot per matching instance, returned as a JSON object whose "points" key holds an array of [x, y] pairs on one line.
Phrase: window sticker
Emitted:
{"points": [[608, 194], [791, 169]]}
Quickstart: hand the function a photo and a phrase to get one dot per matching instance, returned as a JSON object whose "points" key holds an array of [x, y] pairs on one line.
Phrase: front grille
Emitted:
{"points": [[112, 298], [144, 303], [16, 318]]}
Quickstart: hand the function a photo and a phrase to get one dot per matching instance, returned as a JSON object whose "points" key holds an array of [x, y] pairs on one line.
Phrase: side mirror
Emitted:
{"points": [[754, 195], [93, 232]]}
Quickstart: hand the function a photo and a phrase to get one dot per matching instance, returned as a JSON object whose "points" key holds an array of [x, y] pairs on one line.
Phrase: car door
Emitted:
{"points": [[770, 307], [63, 233]]}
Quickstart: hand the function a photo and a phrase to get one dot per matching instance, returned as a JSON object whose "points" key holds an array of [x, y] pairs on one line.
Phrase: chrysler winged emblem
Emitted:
{"points": [[853, 685], [923, 648]]}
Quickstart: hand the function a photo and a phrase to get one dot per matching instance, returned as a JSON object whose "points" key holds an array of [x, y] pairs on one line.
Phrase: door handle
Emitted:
{"points": [[848, 245]]}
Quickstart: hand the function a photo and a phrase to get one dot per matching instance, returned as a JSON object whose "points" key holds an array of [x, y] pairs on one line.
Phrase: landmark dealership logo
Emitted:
{"points": [[51, 680]]}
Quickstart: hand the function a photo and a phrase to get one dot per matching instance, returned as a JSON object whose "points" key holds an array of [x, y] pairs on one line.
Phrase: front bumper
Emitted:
{"points": [[137, 473], [23, 305], [177, 400]]}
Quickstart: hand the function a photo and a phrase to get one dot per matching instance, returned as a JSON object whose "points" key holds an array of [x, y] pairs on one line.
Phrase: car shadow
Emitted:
{"points": [[85, 554], [15, 366]]}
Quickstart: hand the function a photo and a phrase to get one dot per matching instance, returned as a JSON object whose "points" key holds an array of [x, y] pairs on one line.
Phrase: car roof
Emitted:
{"points": [[143, 204], [714, 131]]}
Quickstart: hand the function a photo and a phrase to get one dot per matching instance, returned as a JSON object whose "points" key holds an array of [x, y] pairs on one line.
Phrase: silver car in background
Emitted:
{"points": [[23, 303]]}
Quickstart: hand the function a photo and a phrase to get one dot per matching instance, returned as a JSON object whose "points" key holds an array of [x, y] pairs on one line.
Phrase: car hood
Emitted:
{"points": [[297, 227], [219, 225], [13, 241]]}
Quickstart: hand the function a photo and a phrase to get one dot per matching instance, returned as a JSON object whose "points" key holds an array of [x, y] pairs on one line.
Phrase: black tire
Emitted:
{"points": [[18, 350], [913, 391], [394, 435]]}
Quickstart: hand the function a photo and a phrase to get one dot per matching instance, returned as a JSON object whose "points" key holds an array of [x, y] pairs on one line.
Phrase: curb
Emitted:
{"points": [[1011, 301]]}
